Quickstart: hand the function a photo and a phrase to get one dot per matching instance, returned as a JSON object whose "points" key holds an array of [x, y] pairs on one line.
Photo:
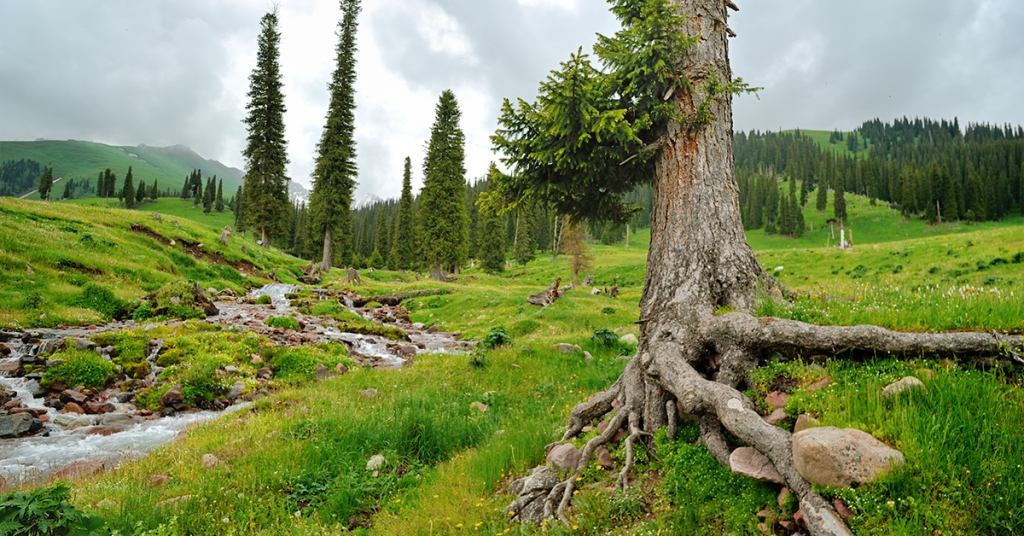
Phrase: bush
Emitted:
{"points": [[131, 348], [372, 305], [79, 368], [264, 300], [45, 512], [101, 300], [495, 337], [285, 322], [608, 310], [605, 336]]}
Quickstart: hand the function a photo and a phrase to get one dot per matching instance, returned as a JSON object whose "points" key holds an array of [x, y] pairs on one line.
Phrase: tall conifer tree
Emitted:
{"points": [[404, 244], [490, 248], [220, 196], [45, 183], [335, 175], [266, 155], [128, 190], [442, 214]]}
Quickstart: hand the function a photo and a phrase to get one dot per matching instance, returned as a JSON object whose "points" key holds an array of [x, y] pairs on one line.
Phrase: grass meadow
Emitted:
{"points": [[295, 463]]}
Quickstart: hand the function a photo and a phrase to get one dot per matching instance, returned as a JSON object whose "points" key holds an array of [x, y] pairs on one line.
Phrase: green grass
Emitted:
{"points": [[295, 463], [51, 252], [73, 159]]}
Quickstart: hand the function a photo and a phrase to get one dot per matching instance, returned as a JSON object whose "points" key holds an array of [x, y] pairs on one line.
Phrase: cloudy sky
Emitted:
{"points": [[165, 72]]}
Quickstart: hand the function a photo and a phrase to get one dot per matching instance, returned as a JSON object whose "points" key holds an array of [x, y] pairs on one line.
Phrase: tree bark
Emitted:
{"points": [[699, 259], [265, 240], [325, 264]]}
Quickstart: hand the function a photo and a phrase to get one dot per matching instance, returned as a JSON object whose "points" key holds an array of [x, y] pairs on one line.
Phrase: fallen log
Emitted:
{"points": [[547, 296]]}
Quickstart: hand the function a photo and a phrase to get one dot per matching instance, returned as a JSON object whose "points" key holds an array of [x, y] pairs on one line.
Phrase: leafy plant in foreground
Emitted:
{"points": [[45, 512]]}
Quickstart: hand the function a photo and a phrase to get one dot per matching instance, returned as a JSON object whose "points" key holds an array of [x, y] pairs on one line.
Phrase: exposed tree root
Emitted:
{"points": [[740, 339]]}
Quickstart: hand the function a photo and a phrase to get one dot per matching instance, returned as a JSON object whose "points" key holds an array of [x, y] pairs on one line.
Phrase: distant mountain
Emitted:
{"points": [[364, 199], [84, 160], [297, 192]]}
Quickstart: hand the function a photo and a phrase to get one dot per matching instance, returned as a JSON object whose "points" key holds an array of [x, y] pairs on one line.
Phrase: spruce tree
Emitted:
{"points": [[380, 241], [524, 251], [128, 190], [266, 156], [67, 190], [490, 231], [101, 186], [799, 224], [404, 244], [154, 191], [219, 202], [821, 201], [334, 177], [45, 183], [442, 214], [140, 193], [839, 201], [198, 195]]}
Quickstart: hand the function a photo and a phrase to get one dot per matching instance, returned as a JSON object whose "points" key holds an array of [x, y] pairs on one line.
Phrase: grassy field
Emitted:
{"points": [[49, 252], [73, 159], [295, 463]]}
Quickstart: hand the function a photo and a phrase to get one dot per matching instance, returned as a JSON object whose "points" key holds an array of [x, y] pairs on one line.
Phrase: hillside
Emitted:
{"points": [[83, 161]]}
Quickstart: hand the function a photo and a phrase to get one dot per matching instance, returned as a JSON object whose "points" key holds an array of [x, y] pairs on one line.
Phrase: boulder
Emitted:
{"points": [[119, 420], [84, 344], [567, 348], [587, 356], [820, 384], [341, 368], [479, 406], [369, 393], [630, 339], [748, 462], [12, 367], [103, 430], [15, 425], [564, 457], [542, 478], [264, 373], [604, 458], [829, 456], [776, 399], [236, 391], [67, 420], [79, 469], [98, 408], [776, 416], [72, 407], [49, 346], [409, 350], [172, 397], [902, 385], [803, 422], [68, 396], [323, 373], [75, 425]]}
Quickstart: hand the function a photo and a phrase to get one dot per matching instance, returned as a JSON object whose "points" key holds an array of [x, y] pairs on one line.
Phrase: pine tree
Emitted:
{"points": [[140, 193], [198, 195], [240, 209], [267, 206], [524, 250], [799, 224], [950, 210], [821, 201], [67, 190], [154, 191], [101, 186], [45, 183], [404, 245], [839, 200], [219, 202], [334, 177], [128, 190], [380, 241], [490, 232], [442, 214]]}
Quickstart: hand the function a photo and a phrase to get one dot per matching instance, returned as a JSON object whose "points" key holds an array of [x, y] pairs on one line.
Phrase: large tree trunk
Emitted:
{"points": [[699, 259], [265, 240], [325, 264]]}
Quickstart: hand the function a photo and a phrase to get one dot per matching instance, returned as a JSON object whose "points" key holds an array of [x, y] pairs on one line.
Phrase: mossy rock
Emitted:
{"points": [[181, 299]]}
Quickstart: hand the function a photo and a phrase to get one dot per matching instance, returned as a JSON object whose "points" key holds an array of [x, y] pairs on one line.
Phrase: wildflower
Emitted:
{"points": [[298, 513]]}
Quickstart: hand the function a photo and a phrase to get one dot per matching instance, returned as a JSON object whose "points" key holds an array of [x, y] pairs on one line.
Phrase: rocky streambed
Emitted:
{"points": [[63, 430]]}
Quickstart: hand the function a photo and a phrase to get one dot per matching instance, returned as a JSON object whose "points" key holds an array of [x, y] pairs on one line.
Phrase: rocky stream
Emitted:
{"points": [[69, 430]]}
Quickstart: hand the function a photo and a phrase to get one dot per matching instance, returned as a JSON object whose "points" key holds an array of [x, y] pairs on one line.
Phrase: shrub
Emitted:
{"points": [[79, 368], [608, 310], [131, 347], [372, 305], [494, 338], [285, 322], [1018, 258], [605, 336], [46, 511], [264, 300], [101, 300]]}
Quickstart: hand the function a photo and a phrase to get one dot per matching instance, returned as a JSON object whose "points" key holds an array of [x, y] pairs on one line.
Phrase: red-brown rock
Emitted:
{"points": [[98, 408], [172, 397], [71, 395], [72, 407], [103, 430], [79, 469], [776, 399]]}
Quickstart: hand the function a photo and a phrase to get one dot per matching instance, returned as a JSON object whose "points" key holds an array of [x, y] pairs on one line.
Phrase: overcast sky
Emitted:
{"points": [[165, 72]]}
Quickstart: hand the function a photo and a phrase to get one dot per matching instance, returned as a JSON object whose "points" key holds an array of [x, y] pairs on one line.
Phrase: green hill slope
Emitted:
{"points": [[83, 160], [50, 251]]}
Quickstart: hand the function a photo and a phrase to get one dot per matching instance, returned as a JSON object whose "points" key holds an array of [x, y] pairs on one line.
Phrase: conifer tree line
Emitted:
{"points": [[927, 169]]}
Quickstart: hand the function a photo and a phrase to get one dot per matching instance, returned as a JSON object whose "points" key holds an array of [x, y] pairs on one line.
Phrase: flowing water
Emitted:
{"points": [[32, 459]]}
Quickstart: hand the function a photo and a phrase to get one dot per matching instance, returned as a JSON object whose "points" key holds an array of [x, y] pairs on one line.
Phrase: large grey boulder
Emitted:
{"points": [[15, 425], [565, 457], [748, 462], [902, 385], [832, 457]]}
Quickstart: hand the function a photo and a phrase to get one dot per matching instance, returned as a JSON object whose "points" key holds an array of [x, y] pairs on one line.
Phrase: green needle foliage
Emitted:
{"points": [[335, 175], [46, 183], [128, 190], [403, 247], [590, 137], [266, 186], [491, 241], [442, 215]]}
